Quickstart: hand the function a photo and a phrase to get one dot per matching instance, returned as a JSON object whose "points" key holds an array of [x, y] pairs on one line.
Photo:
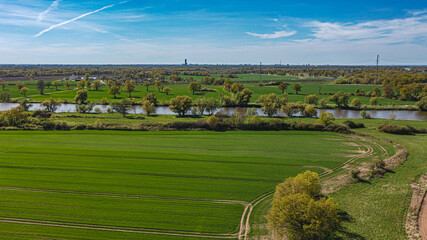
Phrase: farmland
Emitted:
{"points": [[131, 183]]}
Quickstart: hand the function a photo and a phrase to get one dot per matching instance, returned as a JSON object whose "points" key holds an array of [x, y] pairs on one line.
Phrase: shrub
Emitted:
{"points": [[353, 125], [326, 118], [355, 175], [5, 97], [394, 129], [340, 128]]}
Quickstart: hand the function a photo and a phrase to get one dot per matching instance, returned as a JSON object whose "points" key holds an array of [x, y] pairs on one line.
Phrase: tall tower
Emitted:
{"points": [[185, 62]]}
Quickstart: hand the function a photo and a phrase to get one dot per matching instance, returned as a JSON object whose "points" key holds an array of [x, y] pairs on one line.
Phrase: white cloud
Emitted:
{"points": [[278, 34], [71, 20], [387, 31], [52, 7]]}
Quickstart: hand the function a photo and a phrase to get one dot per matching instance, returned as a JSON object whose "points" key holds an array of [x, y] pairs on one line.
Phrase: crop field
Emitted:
{"points": [[165, 185], [325, 89]]}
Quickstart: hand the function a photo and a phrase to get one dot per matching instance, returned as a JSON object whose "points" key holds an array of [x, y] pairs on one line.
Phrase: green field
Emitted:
{"points": [[196, 183], [326, 90]]}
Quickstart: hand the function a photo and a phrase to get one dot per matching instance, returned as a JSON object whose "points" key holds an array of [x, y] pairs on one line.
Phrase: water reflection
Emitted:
{"points": [[338, 113]]}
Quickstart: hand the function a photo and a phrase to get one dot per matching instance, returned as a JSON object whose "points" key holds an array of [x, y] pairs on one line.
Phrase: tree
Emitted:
{"points": [[56, 84], [152, 98], [123, 106], [290, 109], [81, 96], [67, 84], [242, 98], [388, 91], [174, 78], [194, 86], [299, 212], [5, 97], [130, 87], [51, 104], [158, 84], [297, 87], [24, 91], [310, 111], [340, 98], [3, 84], [227, 85], [326, 118], [236, 87], [311, 99], [81, 84], [323, 103], [283, 86], [114, 90], [86, 77], [270, 104], [110, 83], [25, 104], [422, 104], [96, 84], [373, 101], [148, 107], [167, 90], [20, 85], [146, 84], [180, 105], [40, 86], [376, 92], [356, 103]]}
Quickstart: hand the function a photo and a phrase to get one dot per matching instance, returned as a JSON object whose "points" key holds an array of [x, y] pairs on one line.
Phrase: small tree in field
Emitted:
{"points": [[24, 91], [146, 84], [283, 86], [340, 98], [270, 104], [67, 84], [326, 118], [297, 87], [299, 212], [19, 86], [40, 86], [129, 87], [148, 107], [114, 90], [3, 84], [81, 96], [180, 105], [312, 99], [123, 106], [356, 103], [51, 104], [373, 101], [194, 86], [167, 90], [56, 85]]}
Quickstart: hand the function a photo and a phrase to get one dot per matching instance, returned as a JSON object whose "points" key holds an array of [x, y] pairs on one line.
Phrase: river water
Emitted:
{"points": [[338, 113]]}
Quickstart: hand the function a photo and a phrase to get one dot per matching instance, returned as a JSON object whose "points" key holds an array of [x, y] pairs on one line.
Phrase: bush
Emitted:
{"points": [[355, 175], [340, 128], [394, 129], [353, 125]]}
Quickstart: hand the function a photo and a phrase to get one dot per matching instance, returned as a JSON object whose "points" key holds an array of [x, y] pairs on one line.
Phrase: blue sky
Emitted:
{"points": [[213, 32]]}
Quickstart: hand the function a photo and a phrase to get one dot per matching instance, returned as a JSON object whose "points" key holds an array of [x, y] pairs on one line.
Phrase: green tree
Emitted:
{"points": [[123, 106], [180, 105], [3, 84], [96, 84], [25, 104], [148, 107], [56, 85], [67, 84], [194, 86], [130, 87], [376, 92], [152, 98], [24, 91], [289, 109], [373, 101], [40, 86], [310, 111], [356, 103], [81, 96], [422, 104], [311, 99], [167, 90], [323, 103], [340, 98], [298, 212], [270, 103], [283, 86], [236, 87], [114, 90], [158, 84], [227, 85], [326, 118], [242, 98], [51, 104], [19, 86], [5, 97], [174, 78], [297, 87], [81, 84], [146, 84]]}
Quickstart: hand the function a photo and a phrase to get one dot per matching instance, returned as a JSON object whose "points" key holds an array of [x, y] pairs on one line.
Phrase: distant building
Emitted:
{"points": [[185, 62]]}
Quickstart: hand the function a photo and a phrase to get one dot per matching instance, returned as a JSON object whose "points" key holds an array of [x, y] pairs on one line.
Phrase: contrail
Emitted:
{"points": [[71, 20], [52, 6]]}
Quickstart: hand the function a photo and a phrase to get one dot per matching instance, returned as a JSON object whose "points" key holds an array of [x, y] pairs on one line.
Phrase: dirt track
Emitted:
{"points": [[422, 219]]}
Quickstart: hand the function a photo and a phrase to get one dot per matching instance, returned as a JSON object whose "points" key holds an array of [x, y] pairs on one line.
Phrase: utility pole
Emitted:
{"points": [[376, 77], [260, 72]]}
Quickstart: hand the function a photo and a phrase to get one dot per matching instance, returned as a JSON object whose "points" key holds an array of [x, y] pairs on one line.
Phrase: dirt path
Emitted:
{"points": [[422, 219]]}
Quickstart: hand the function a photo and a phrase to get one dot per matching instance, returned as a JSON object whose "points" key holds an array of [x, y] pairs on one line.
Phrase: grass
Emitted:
{"points": [[326, 90], [157, 180], [376, 209]]}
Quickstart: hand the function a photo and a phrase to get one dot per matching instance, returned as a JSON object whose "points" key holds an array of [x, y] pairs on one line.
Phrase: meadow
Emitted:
{"points": [[135, 184], [322, 90]]}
